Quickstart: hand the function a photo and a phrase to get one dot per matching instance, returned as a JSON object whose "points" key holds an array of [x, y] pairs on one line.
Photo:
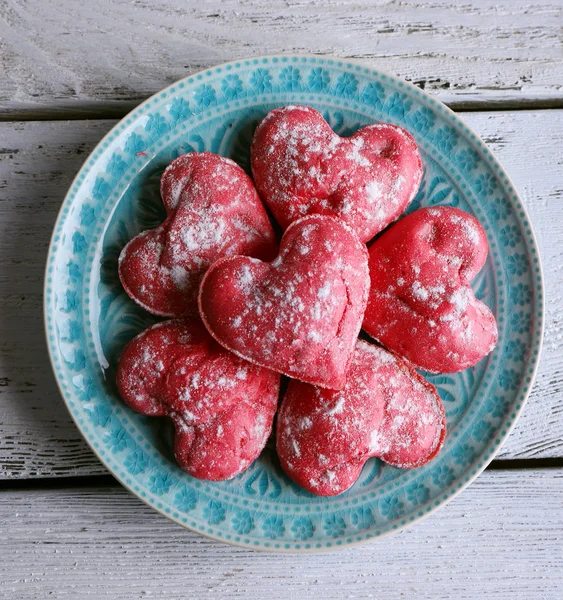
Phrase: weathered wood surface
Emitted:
{"points": [[37, 163], [102, 58], [500, 539]]}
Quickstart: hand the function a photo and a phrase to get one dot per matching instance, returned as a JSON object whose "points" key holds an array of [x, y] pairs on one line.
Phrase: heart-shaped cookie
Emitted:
{"points": [[222, 406], [300, 167], [386, 409], [213, 211], [300, 314], [421, 305]]}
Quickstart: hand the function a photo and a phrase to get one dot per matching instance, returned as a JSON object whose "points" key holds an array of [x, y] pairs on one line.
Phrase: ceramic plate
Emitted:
{"points": [[89, 318]]}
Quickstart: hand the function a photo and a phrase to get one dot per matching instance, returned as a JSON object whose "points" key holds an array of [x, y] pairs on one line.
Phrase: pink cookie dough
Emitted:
{"points": [[222, 406], [421, 305], [301, 313], [300, 167], [213, 211], [386, 409]]}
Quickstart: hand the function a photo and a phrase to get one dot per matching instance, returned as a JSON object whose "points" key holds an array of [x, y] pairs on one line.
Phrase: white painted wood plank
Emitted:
{"points": [[38, 161], [501, 539], [61, 55], [37, 438], [530, 147]]}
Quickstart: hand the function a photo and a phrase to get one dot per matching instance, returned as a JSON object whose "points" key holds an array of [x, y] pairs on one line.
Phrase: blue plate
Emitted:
{"points": [[89, 318]]}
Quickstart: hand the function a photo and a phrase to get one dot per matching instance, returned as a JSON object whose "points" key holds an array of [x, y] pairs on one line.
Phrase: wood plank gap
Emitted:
{"points": [[68, 482], [117, 110], [526, 463], [89, 481]]}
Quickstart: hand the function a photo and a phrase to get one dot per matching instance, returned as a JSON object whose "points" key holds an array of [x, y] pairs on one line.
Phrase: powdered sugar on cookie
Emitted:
{"points": [[301, 167], [421, 304], [386, 410], [213, 211], [300, 314], [222, 406]]}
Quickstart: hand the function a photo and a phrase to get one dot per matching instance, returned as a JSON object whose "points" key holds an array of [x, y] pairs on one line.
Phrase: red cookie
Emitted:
{"points": [[222, 406], [302, 167], [298, 315], [386, 410], [421, 304], [213, 211]]}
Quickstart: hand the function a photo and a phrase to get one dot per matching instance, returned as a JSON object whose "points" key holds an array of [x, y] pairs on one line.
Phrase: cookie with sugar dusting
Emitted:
{"points": [[213, 211], [386, 409], [222, 406], [299, 314], [421, 305], [300, 167]]}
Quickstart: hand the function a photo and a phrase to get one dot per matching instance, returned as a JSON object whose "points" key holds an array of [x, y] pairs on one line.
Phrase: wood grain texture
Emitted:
{"points": [[37, 163], [499, 539], [60, 57], [530, 147]]}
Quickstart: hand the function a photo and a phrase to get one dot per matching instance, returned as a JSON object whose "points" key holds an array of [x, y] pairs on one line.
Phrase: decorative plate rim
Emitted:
{"points": [[537, 334]]}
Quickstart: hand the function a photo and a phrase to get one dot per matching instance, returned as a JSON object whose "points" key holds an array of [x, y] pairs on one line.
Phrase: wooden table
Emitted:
{"points": [[69, 69]]}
